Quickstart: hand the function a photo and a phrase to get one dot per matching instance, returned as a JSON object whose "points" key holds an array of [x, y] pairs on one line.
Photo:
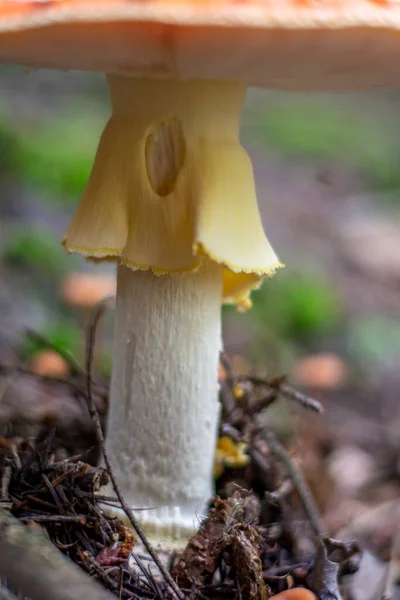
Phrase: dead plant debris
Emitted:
{"points": [[263, 534]]}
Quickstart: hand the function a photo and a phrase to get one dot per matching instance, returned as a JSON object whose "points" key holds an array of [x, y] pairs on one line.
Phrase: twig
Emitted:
{"points": [[38, 570], [15, 456], [278, 385], [151, 582], [53, 494], [230, 431], [301, 398], [284, 570], [6, 594], [100, 437], [260, 460], [300, 484], [93, 564], [81, 519], [393, 572], [281, 493], [6, 369], [65, 354], [260, 405], [5, 482]]}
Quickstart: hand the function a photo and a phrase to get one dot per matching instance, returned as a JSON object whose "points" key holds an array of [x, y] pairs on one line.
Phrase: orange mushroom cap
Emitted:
{"points": [[321, 371], [48, 363], [85, 290], [287, 44], [297, 593]]}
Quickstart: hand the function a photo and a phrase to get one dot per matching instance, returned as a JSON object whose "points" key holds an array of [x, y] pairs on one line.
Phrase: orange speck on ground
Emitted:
{"points": [[48, 363], [320, 371], [297, 593], [86, 290]]}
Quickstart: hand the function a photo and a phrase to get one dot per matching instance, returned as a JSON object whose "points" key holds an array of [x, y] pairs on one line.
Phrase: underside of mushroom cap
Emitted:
{"points": [[286, 44]]}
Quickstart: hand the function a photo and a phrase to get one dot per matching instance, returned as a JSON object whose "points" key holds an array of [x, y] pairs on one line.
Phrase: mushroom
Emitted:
{"points": [[171, 195], [322, 371], [49, 363], [297, 593], [86, 290]]}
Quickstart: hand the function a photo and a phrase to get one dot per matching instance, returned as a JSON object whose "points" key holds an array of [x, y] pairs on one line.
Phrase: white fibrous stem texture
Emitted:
{"points": [[164, 408]]}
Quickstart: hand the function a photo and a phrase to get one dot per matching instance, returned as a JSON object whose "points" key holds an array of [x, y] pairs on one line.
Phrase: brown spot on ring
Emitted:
{"points": [[165, 153]]}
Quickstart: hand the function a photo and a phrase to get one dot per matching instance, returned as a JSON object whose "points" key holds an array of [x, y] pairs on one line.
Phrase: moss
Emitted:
{"points": [[63, 336], [299, 306], [58, 157], [37, 249], [374, 340], [55, 154], [320, 130]]}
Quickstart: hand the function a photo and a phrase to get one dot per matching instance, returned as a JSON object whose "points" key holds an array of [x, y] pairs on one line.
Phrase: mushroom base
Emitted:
{"points": [[164, 409]]}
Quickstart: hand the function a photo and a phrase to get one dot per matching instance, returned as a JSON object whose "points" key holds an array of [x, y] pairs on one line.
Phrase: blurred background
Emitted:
{"points": [[327, 169]]}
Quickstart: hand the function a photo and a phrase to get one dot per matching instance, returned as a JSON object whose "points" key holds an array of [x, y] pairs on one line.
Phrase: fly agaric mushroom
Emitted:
{"points": [[171, 195]]}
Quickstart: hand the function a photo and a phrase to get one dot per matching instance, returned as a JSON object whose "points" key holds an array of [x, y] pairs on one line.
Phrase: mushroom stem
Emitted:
{"points": [[163, 415], [171, 197]]}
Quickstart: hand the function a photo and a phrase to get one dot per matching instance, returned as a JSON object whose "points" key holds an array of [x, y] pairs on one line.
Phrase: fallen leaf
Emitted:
{"points": [[325, 580]]}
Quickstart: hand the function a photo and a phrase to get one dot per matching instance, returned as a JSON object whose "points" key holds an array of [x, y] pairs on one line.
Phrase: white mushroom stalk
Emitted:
{"points": [[163, 416], [171, 197]]}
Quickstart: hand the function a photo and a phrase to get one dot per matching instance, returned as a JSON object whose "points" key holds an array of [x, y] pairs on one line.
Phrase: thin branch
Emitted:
{"points": [[393, 572], [6, 594], [32, 564], [100, 437], [66, 354], [93, 564], [82, 519], [6, 369], [301, 398], [5, 482], [299, 482], [278, 385]]}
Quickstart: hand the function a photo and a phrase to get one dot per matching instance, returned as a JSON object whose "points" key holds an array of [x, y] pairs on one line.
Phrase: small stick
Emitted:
{"points": [[299, 482], [92, 562], [44, 503], [53, 493], [65, 354], [282, 492], [230, 431], [5, 482], [285, 390], [260, 405], [15, 455], [6, 594], [284, 570], [100, 437], [393, 572], [6, 369], [82, 519], [34, 566], [259, 459], [301, 398]]}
